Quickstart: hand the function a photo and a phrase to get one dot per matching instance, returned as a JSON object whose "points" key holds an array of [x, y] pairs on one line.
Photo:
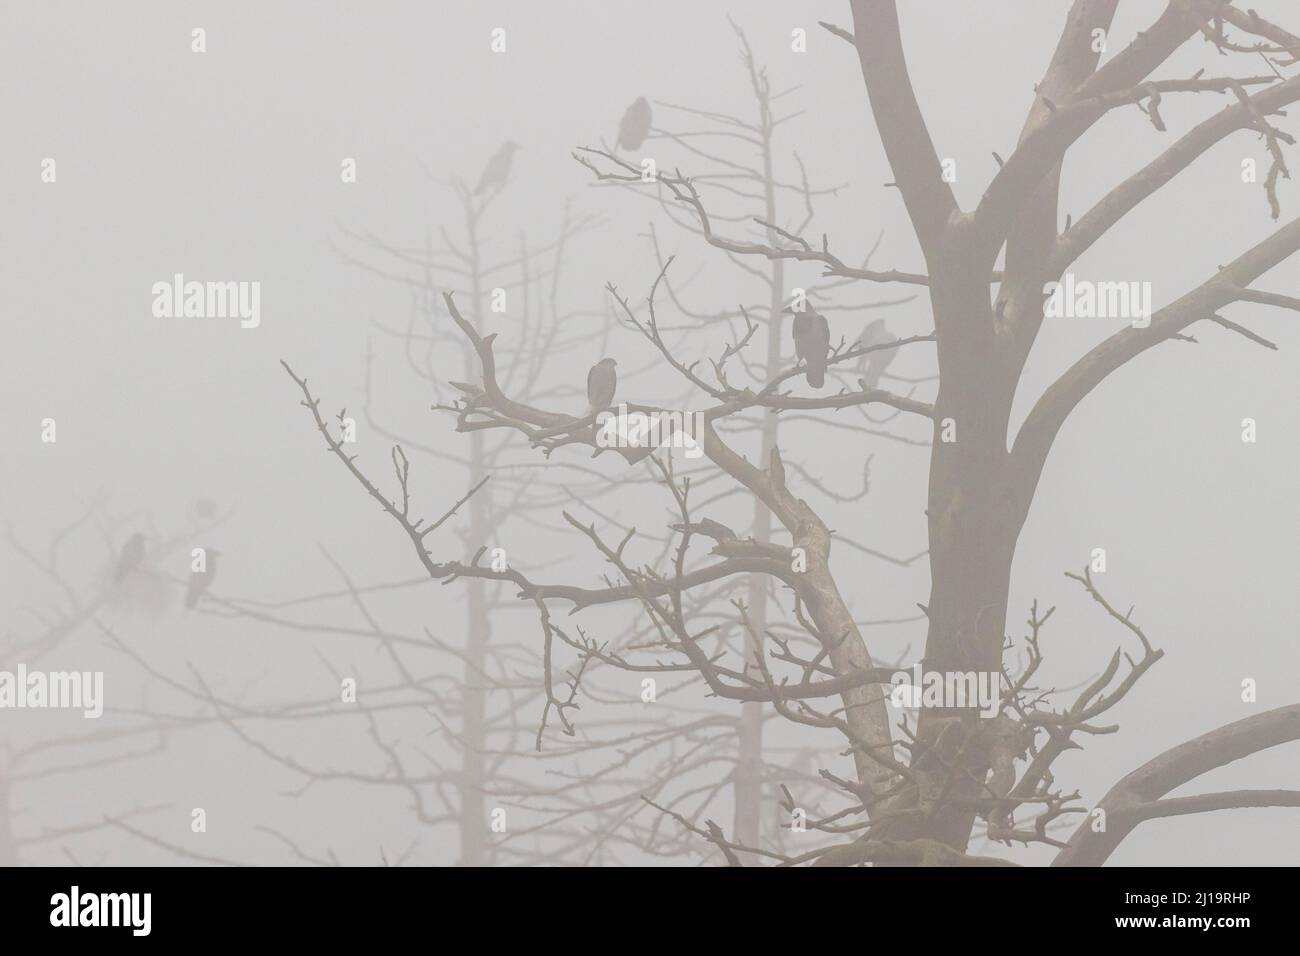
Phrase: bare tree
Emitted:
{"points": [[920, 792], [87, 592], [746, 156], [493, 716]]}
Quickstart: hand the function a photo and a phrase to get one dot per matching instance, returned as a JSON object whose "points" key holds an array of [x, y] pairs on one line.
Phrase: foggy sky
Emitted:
{"points": [[225, 165]]}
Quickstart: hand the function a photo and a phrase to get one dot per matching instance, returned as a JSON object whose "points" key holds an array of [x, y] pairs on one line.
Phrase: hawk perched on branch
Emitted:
{"points": [[635, 126], [130, 558], [497, 170], [812, 340], [601, 382], [873, 364], [200, 580]]}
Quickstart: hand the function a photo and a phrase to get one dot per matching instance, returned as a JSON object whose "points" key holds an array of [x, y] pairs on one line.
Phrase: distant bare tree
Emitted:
{"points": [[493, 717], [86, 591], [762, 179]]}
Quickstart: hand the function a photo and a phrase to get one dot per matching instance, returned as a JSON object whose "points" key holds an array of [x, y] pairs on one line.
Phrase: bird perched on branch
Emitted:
{"points": [[601, 382], [130, 558], [812, 340], [497, 170], [201, 580], [872, 365], [635, 125]]}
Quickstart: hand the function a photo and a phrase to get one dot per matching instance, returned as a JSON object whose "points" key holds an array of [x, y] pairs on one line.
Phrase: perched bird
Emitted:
{"points": [[130, 558], [497, 170], [812, 340], [601, 382], [635, 125], [872, 365], [200, 580]]}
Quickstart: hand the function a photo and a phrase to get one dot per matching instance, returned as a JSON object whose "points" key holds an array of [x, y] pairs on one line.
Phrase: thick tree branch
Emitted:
{"points": [[901, 126], [1147, 181], [1050, 412], [1137, 797]]}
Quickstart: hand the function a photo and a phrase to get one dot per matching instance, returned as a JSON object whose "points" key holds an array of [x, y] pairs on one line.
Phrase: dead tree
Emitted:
{"points": [[749, 163], [532, 277], [73, 610], [987, 274], [490, 715]]}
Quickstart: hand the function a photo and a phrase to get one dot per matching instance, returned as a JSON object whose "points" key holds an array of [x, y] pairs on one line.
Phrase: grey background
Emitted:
{"points": [[226, 166]]}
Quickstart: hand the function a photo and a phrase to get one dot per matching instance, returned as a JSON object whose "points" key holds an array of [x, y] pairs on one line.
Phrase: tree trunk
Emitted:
{"points": [[473, 814], [474, 849], [975, 510], [748, 786]]}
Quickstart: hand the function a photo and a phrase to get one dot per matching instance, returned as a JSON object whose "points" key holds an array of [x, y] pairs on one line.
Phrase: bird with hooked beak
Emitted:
{"points": [[201, 580], [812, 341], [872, 365], [497, 170], [131, 557], [635, 125], [602, 380]]}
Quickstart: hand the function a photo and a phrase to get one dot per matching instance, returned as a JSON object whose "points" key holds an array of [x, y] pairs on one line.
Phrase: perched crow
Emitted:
{"points": [[497, 170], [873, 364], [200, 580], [635, 126], [812, 340], [130, 558], [601, 381]]}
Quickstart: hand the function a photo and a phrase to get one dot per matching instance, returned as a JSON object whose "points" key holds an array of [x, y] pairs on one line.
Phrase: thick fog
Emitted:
{"points": [[327, 151]]}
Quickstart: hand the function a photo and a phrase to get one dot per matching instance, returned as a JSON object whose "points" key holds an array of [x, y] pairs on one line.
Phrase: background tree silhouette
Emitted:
{"points": [[747, 156], [78, 614]]}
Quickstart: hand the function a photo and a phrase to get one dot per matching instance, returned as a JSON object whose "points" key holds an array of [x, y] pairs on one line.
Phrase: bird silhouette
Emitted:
{"points": [[635, 125], [812, 340], [130, 558], [601, 382], [497, 170], [201, 580], [873, 364]]}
